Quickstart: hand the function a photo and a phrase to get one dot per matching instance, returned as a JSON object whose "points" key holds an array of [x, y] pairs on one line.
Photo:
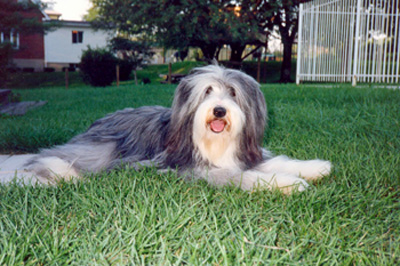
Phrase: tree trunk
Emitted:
{"points": [[286, 68], [209, 51], [236, 52]]}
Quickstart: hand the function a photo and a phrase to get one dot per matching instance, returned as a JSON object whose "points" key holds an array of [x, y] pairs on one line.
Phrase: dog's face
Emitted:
{"points": [[223, 113], [218, 122], [218, 113]]}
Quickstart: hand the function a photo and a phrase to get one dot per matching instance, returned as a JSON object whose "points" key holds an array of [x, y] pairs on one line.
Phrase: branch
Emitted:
{"points": [[252, 52]]}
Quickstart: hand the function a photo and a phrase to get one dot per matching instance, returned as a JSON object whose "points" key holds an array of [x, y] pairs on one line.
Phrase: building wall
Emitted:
{"points": [[31, 47], [60, 51]]}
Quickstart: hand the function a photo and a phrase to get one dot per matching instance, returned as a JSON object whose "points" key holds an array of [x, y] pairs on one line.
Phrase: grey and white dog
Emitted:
{"points": [[213, 131]]}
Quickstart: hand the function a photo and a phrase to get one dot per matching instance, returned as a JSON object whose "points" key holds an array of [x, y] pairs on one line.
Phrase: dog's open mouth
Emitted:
{"points": [[217, 125]]}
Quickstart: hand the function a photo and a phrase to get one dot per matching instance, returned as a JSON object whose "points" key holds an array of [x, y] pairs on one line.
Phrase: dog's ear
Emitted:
{"points": [[179, 144], [182, 94], [252, 102]]}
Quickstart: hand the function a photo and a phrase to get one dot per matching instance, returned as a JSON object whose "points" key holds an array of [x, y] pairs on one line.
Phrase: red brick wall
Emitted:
{"points": [[31, 46]]}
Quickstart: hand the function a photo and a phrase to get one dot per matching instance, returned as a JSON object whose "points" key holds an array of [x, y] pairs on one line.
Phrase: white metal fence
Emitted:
{"points": [[349, 41]]}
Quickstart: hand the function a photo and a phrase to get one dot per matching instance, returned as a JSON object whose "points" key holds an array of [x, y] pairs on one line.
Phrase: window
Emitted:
{"points": [[77, 36], [11, 37]]}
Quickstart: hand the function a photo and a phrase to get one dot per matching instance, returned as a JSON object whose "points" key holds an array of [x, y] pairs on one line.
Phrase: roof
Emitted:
{"points": [[71, 23], [52, 13]]}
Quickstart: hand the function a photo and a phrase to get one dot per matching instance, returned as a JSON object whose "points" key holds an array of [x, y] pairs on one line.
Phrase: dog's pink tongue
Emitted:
{"points": [[217, 126]]}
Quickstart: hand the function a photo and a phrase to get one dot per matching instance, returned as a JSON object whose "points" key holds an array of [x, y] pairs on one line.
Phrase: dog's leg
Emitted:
{"points": [[310, 170], [252, 179], [50, 169], [135, 162], [71, 161]]}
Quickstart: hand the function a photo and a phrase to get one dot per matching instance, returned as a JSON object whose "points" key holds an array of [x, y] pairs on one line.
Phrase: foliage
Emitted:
{"points": [[280, 17], [132, 54], [91, 14], [98, 66], [206, 24], [178, 24], [20, 16], [132, 217]]}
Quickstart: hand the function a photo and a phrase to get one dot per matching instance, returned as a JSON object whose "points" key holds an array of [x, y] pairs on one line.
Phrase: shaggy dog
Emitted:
{"points": [[213, 131]]}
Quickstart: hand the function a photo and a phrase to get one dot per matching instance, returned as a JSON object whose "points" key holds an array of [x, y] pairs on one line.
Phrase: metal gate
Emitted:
{"points": [[349, 41]]}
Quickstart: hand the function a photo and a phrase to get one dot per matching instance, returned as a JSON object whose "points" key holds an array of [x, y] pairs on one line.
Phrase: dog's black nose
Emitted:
{"points": [[219, 111]]}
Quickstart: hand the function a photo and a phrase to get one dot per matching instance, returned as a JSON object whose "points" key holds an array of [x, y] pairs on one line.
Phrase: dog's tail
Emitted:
{"points": [[71, 160]]}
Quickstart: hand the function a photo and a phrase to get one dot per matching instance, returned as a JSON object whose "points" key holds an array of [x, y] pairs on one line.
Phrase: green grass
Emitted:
{"points": [[127, 217]]}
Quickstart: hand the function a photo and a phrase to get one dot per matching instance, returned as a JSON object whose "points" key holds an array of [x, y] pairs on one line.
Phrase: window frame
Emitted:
{"points": [[13, 39], [77, 37]]}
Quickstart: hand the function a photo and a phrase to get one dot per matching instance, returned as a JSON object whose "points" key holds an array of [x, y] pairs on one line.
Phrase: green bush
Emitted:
{"points": [[98, 67], [125, 69]]}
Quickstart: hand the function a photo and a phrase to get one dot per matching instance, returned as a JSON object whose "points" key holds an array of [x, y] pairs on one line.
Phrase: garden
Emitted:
{"points": [[143, 217], [125, 217]]}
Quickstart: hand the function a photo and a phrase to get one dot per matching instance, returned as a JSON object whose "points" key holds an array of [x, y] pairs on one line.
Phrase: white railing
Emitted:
{"points": [[349, 41]]}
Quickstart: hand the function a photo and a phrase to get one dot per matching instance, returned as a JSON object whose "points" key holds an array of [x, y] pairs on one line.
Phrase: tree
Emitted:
{"points": [[132, 54], [257, 16], [286, 18], [207, 24], [279, 16], [17, 17], [92, 14]]}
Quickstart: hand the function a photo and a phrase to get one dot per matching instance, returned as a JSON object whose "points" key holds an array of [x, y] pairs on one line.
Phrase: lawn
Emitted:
{"points": [[127, 217]]}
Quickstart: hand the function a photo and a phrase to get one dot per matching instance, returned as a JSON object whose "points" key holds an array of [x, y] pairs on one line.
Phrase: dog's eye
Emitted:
{"points": [[209, 90], [232, 92]]}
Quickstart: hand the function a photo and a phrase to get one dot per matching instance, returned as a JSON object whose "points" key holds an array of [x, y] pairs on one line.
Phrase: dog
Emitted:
{"points": [[213, 131]]}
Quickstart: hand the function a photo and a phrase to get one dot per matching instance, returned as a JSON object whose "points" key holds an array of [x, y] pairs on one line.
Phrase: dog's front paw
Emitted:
{"points": [[316, 169], [298, 186], [284, 182]]}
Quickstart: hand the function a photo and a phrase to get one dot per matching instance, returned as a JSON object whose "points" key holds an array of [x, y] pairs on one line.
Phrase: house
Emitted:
{"points": [[63, 46], [28, 48], [59, 48]]}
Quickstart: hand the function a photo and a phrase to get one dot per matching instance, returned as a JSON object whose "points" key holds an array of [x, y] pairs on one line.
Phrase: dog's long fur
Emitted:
{"points": [[213, 131]]}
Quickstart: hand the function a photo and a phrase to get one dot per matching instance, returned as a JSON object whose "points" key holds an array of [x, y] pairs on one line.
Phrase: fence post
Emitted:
{"points": [[299, 36], [259, 69], [169, 73], [355, 59], [66, 78], [117, 74]]}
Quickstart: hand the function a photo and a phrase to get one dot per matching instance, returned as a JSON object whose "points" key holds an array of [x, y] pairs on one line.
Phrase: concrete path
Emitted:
{"points": [[12, 166]]}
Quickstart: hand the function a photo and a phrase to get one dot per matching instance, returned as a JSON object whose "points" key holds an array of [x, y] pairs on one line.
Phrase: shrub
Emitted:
{"points": [[98, 67], [125, 69], [70, 69], [49, 69], [28, 69]]}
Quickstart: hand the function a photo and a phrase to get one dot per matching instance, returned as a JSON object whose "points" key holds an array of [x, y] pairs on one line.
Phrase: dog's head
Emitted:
{"points": [[221, 113]]}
